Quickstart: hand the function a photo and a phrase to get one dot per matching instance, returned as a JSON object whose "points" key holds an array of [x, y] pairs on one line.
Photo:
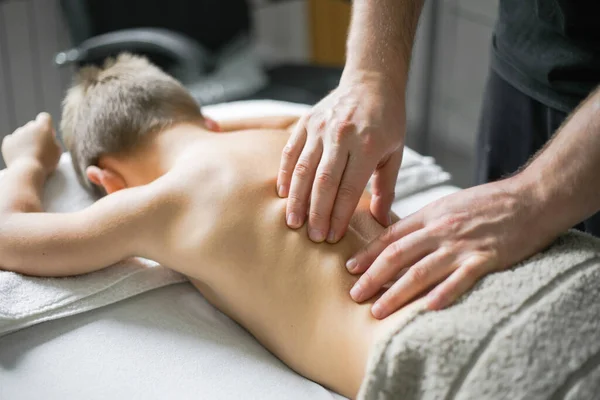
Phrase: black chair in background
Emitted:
{"points": [[206, 44]]}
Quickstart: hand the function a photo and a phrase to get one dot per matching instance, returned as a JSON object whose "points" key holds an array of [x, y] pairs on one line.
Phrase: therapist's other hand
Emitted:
{"points": [[353, 133], [34, 142], [451, 244]]}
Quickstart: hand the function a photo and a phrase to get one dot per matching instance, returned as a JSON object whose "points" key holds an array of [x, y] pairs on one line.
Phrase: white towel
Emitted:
{"points": [[25, 301]]}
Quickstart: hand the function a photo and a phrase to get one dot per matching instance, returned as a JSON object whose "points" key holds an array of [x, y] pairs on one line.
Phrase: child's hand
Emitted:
{"points": [[34, 141]]}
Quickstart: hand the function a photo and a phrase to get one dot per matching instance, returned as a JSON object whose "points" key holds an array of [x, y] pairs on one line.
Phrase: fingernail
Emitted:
{"points": [[316, 235], [282, 191], [351, 264], [293, 221], [331, 236], [377, 310], [356, 292]]}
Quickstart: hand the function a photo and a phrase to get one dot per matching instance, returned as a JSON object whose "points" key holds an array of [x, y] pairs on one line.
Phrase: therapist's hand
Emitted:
{"points": [[452, 243], [353, 133]]}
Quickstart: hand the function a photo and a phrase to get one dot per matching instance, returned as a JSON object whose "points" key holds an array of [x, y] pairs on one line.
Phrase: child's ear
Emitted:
{"points": [[212, 125], [109, 180]]}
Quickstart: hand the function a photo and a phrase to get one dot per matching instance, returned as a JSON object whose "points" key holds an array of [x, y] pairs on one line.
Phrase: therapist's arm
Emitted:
{"points": [[357, 130], [455, 241]]}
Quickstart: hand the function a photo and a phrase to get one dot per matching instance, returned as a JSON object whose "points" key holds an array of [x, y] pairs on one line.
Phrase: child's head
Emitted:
{"points": [[111, 110]]}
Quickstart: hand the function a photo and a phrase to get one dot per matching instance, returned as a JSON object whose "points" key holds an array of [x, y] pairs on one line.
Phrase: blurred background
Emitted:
{"points": [[226, 50]]}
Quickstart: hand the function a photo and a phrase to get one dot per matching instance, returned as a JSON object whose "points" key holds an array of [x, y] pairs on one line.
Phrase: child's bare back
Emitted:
{"points": [[204, 204]]}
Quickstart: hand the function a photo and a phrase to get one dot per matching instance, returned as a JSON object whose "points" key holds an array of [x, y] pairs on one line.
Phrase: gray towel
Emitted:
{"points": [[531, 332]]}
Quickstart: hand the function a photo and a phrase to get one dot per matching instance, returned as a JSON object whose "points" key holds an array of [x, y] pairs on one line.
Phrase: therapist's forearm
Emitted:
{"points": [[381, 37], [565, 176]]}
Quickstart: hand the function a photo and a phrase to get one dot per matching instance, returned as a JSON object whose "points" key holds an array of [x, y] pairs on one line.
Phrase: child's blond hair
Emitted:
{"points": [[109, 110]]}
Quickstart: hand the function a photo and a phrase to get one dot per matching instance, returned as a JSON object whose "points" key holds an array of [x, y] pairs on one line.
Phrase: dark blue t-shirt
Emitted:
{"points": [[549, 49]]}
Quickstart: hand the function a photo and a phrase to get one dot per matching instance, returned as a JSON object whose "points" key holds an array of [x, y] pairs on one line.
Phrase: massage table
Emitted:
{"points": [[169, 342]]}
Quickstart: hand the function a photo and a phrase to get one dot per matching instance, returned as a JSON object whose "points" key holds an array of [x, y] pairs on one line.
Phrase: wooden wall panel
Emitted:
{"points": [[329, 21]]}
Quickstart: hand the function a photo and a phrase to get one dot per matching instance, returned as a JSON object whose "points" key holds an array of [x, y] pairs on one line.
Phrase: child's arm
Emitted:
{"points": [[279, 122], [44, 244]]}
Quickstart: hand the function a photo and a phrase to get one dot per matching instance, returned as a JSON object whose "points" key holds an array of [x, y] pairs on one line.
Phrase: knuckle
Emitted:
{"points": [[387, 196], [390, 233], [319, 124], [391, 297], [445, 225], [444, 252], [316, 123], [284, 174], [302, 169], [395, 250], [347, 192], [454, 221], [295, 199], [418, 275], [472, 270], [448, 222], [288, 152], [436, 230], [341, 130], [325, 181], [367, 279], [369, 143], [316, 216]]}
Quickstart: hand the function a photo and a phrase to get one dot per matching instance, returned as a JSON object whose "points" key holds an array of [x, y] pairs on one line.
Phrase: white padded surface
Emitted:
{"points": [[165, 344], [168, 343]]}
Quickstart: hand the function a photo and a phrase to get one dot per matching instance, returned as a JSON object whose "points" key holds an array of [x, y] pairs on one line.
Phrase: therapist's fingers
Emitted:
{"points": [[353, 183], [383, 187], [289, 157], [302, 182], [397, 256], [365, 257], [457, 284], [326, 183], [425, 273]]}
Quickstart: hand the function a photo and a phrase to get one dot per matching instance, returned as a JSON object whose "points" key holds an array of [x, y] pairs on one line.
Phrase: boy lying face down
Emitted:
{"points": [[197, 198]]}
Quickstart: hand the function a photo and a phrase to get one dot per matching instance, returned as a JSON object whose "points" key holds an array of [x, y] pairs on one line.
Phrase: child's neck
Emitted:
{"points": [[159, 155]]}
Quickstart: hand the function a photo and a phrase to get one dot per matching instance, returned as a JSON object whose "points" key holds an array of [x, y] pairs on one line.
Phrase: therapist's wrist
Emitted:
{"points": [[381, 81], [545, 214], [385, 61]]}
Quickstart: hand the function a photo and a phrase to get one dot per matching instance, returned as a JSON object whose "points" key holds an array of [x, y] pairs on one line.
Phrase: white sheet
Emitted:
{"points": [[167, 343]]}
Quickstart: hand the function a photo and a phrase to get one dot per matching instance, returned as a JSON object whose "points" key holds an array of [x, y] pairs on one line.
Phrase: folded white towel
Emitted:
{"points": [[25, 301]]}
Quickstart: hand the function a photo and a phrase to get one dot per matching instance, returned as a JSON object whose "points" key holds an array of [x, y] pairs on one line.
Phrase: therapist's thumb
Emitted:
{"points": [[383, 188]]}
